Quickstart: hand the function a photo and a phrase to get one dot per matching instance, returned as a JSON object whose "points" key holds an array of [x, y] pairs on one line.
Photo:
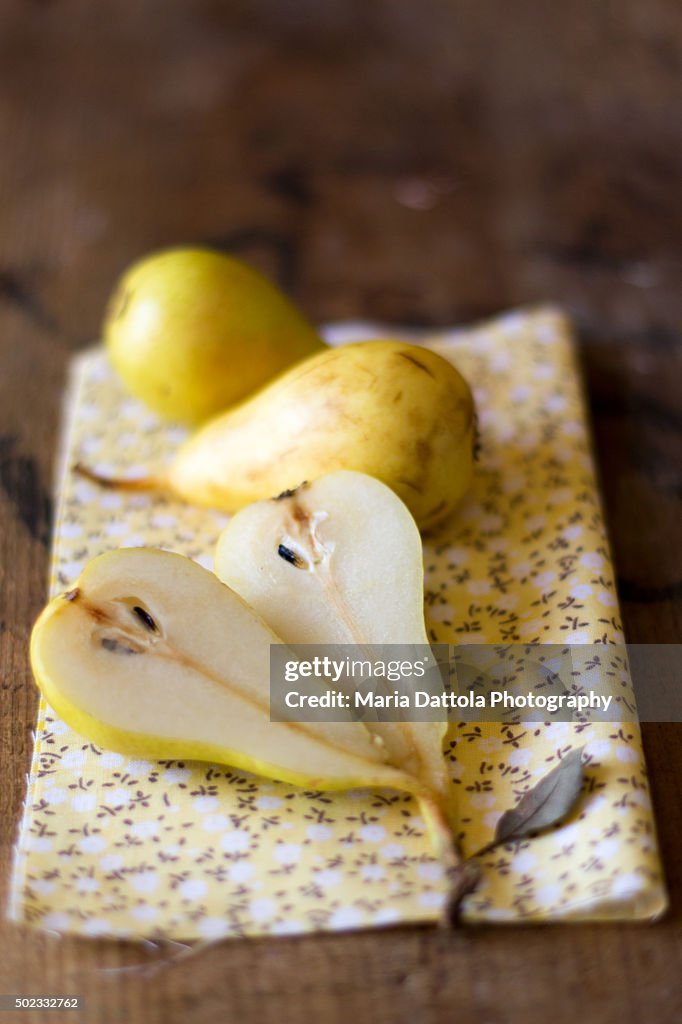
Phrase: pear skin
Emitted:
{"points": [[192, 331], [392, 410]]}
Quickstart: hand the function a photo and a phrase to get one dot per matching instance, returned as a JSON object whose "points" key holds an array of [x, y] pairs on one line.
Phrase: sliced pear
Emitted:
{"points": [[149, 653], [152, 655], [339, 561]]}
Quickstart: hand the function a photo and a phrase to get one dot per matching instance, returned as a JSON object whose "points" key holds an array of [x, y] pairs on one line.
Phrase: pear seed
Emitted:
{"points": [[110, 643], [290, 556], [146, 619]]}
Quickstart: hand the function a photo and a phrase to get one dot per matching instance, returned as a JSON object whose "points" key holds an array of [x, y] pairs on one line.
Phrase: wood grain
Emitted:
{"points": [[427, 163]]}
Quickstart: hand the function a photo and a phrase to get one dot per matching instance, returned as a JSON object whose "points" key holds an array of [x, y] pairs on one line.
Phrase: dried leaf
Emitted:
{"points": [[546, 804]]}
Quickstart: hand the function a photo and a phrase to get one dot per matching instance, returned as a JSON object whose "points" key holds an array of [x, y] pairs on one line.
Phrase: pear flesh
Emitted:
{"points": [[149, 653], [339, 561], [395, 411]]}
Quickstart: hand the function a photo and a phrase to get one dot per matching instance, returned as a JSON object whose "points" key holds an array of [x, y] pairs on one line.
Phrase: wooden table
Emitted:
{"points": [[426, 163]]}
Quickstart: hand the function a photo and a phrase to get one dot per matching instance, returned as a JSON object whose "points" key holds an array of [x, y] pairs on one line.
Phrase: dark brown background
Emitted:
{"points": [[425, 162]]}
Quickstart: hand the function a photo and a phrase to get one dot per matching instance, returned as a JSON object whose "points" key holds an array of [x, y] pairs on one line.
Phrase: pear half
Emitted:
{"points": [[339, 561], [150, 654]]}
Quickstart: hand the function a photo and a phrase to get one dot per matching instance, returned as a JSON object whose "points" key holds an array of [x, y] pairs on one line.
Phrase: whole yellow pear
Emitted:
{"points": [[192, 331], [395, 411]]}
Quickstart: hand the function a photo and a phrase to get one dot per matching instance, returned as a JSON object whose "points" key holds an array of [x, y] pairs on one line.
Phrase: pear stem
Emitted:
{"points": [[145, 483], [463, 876], [440, 833]]}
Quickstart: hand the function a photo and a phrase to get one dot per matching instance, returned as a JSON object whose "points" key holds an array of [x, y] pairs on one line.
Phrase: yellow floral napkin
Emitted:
{"points": [[110, 845]]}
